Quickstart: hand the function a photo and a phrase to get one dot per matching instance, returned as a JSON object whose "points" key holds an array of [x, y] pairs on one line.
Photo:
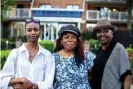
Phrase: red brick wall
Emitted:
{"points": [[60, 3], [26, 4]]}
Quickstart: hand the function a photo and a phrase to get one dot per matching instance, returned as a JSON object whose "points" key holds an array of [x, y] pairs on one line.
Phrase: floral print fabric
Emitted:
{"points": [[68, 75]]}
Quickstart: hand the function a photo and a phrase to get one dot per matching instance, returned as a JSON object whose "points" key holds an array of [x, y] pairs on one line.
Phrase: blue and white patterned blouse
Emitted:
{"points": [[68, 75]]}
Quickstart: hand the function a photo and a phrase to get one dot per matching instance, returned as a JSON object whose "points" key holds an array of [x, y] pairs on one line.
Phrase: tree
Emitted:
{"points": [[5, 6], [129, 24], [130, 7]]}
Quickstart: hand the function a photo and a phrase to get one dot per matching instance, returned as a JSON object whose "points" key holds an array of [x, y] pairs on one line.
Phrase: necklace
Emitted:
{"points": [[32, 53]]}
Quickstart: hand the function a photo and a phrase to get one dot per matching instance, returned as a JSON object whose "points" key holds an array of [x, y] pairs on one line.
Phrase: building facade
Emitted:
{"points": [[114, 10], [55, 13], [13, 27], [52, 14]]}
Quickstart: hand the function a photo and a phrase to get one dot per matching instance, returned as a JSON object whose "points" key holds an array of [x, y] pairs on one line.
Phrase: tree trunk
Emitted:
{"points": [[1, 29], [130, 6]]}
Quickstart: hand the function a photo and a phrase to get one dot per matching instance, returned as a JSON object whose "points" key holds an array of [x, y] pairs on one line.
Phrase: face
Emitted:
{"points": [[32, 32], [69, 41], [104, 36]]}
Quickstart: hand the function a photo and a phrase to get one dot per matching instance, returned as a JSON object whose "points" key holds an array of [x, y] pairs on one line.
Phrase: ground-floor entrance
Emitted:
{"points": [[49, 30]]}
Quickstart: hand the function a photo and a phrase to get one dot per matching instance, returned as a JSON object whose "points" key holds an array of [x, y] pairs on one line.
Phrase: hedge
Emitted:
{"points": [[130, 54], [3, 55], [44, 43], [11, 44], [49, 46]]}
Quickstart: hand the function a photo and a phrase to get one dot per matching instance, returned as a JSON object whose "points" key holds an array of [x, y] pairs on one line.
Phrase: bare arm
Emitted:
{"points": [[127, 82], [90, 73]]}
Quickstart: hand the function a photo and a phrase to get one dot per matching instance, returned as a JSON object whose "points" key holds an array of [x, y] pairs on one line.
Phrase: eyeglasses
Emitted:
{"points": [[104, 31], [32, 20]]}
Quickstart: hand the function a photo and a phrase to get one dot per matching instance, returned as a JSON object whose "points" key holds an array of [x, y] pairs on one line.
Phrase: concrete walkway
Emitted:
{"points": [[131, 86]]}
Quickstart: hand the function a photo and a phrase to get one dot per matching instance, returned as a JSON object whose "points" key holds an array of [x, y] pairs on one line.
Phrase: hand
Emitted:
{"points": [[18, 86], [127, 82], [35, 86], [26, 83]]}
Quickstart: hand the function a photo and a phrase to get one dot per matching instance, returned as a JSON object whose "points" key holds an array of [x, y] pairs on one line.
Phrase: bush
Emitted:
{"points": [[47, 44], [11, 44], [3, 43], [94, 45], [3, 56], [130, 55], [87, 35]]}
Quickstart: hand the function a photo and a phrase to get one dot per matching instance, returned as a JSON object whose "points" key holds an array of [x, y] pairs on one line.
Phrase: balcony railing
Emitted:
{"points": [[19, 13], [112, 16], [54, 12], [107, 0], [23, 0]]}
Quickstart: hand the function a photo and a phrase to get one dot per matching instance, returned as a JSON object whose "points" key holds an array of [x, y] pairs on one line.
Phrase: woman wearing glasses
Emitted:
{"points": [[71, 62], [29, 66]]}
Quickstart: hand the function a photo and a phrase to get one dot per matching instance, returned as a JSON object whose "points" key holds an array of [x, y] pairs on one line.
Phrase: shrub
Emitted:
{"points": [[130, 55], [47, 44], [94, 44], [11, 44], [87, 35], [3, 56], [3, 43]]}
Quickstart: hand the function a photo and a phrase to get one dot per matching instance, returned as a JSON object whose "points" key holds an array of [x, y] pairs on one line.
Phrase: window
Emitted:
{"points": [[45, 6], [72, 7], [57, 6]]}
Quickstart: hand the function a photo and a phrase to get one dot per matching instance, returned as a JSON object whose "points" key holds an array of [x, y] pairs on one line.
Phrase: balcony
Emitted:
{"points": [[93, 15], [16, 13], [52, 12], [22, 0], [114, 3], [106, 1]]}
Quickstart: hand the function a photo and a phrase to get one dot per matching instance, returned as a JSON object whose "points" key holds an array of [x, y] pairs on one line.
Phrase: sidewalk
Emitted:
{"points": [[131, 86]]}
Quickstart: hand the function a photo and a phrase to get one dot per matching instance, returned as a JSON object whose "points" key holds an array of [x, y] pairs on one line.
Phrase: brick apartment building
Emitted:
{"points": [[14, 26], [55, 13], [114, 10], [52, 14]]}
